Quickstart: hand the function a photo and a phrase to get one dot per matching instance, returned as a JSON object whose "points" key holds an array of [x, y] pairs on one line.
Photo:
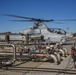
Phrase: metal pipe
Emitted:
{"points": [[66, 51], [14, 55], [38, 55], [62, 52], [58, 56], [54, 58]]}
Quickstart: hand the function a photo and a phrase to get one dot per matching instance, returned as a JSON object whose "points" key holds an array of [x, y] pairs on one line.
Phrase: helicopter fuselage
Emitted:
{"points": [[42, 29]]}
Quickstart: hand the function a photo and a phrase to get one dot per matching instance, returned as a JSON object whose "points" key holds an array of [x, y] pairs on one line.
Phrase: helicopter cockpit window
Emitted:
{"points": [[50, 30], [60, 31]]}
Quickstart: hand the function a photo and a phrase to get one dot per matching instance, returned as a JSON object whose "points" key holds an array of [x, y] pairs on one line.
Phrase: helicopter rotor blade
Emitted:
{"points": [[36, 19], [18, 16], [51, 20], [21, 20], [48, 20], [57, 22], [41, 20], [67, 20]]}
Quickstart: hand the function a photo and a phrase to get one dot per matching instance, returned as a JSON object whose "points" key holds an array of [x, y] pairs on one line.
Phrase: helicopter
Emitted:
{"points": [[40, 29]]}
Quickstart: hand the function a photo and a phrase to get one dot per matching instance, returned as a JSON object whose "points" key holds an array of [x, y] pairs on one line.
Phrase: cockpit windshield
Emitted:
{"points": [[57, 30]]}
